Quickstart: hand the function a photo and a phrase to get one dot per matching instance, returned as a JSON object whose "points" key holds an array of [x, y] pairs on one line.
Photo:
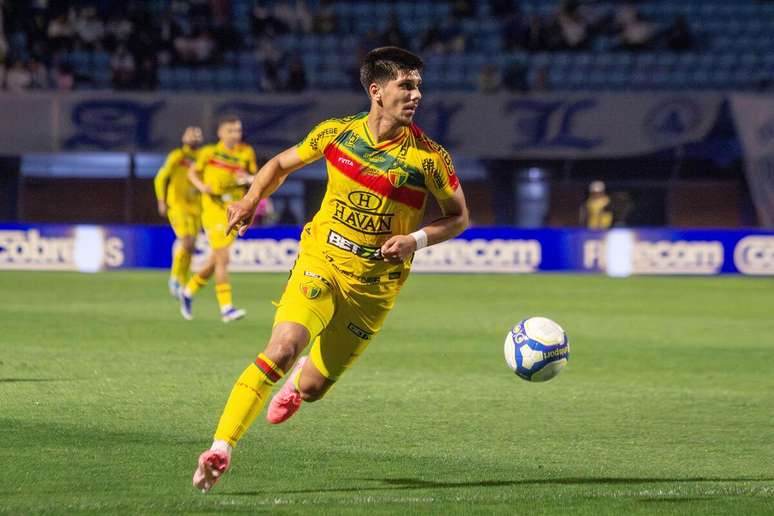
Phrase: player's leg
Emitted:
{"points": [[210, 221], [197, 281], [185, 228], [337, 347], [223, 287], [294, 323], [247, 398]]}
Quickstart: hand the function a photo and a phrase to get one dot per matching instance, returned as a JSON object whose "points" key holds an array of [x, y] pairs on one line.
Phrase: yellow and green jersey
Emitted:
{"points": [[375, 190], [220, 168], [171, 182]]}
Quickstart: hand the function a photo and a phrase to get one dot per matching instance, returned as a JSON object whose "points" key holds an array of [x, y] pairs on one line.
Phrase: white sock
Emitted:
{"points": [[218, 445]]}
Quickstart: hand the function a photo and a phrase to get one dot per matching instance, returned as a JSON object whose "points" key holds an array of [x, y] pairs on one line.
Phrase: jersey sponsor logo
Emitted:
{"points": [[310, 290], [314, 141], [310, 274], [369, 223], [363, 251], [347, 162], [397, 177], [360, 332], [365, 200], [375, 157]]}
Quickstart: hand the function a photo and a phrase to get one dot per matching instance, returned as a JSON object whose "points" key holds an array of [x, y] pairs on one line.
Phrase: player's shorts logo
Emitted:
{"points": [[397, 177], [310, 290], [360, 332]]}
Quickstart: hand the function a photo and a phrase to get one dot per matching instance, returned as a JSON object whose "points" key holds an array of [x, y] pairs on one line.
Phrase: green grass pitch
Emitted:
{"points": [[107, 396]]}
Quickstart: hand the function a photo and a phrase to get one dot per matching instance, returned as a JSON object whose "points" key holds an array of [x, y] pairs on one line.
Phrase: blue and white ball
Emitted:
{"points": [[537, 349]]}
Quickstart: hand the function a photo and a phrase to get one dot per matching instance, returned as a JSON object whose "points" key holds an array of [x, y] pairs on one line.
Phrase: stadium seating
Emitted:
{"points": [[735, 48]]}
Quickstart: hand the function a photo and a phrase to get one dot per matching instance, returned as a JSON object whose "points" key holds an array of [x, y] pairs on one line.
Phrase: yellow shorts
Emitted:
{"points": [[184, 222], [343, 316], [214, 221]]}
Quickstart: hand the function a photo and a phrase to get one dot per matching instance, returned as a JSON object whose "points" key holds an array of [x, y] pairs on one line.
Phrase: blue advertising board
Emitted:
{"points": [[478, 250]]}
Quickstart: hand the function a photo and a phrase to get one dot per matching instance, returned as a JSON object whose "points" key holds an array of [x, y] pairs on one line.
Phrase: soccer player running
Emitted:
{"points": [[180, 202], [354, 255], [221, 173]]}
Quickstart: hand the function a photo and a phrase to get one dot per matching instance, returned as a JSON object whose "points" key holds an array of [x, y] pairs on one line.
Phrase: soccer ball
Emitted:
{"points": [[536, 349]]}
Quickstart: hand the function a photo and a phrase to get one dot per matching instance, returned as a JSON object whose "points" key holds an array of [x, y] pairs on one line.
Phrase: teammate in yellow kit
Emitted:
{"points": [[180, 201], [221, 173], [354, 255]]}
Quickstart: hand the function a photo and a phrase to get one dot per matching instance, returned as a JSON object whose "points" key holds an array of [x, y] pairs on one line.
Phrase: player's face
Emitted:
{"points": [[230, 133], [192, 137], [399, 97]]}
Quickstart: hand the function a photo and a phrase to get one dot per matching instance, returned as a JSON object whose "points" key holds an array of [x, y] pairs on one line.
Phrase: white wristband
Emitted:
{"points": [[421, 238]]}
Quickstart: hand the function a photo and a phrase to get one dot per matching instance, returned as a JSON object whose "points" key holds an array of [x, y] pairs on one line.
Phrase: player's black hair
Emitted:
{"points": [[228, 118], [382, 64]]}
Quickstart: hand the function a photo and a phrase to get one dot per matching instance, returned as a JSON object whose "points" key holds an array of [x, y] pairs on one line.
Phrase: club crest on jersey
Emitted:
{"points": [[310, 290], [397, 176]]}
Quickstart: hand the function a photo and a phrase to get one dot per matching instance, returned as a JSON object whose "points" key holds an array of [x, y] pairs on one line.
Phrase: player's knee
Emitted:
{"points": [[285, 345]]}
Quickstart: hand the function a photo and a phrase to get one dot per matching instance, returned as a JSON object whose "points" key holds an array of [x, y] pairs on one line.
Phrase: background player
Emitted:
{"points": [[221, 173], [354, 255], [180, 201]]}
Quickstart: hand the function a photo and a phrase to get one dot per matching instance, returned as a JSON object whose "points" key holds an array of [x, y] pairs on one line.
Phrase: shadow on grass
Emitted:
{"points": [[25, 380], [415, 483]]}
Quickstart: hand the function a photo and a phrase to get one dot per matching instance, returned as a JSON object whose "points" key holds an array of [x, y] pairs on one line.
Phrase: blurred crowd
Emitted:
{"points": [[39, 39]]}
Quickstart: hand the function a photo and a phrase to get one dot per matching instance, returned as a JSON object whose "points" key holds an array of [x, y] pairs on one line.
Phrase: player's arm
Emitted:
{"points": [[268, 179], [161, 182], [454, 220], [194, 176]]}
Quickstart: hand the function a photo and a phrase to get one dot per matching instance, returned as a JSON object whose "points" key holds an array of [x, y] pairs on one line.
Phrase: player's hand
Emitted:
{"points": [[398, 248], [162, 206], [240, 216]]}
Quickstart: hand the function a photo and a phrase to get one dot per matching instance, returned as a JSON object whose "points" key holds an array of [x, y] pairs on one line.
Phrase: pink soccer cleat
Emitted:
{"points": [[212, 465], [288, 400]]}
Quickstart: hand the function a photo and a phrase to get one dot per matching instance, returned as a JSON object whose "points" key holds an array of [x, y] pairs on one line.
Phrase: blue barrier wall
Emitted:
{"points": [[481, 250]]}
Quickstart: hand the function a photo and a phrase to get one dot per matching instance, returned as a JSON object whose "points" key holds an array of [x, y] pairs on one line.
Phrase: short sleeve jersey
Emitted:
{"points": [[220, 166], [374, 191], [171, 182]]}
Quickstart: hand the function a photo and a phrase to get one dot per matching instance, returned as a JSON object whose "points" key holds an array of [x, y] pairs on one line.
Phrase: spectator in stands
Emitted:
{"points": [[452, 37], [117, 30], [392, 35], [679, 36], [18, 77], [168, 31], [489, 78], [324, 20], [61, 32], [64, 79], [634, 32], [38, 75], [294, 15], [89, 29], [296, 82], [123, 68], [147, 78], [263, 23], [573, 27], [430, 42]]}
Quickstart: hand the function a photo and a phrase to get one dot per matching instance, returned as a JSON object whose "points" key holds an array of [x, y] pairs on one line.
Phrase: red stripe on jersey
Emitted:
{"points": [[269, 371], [351, 168], [223, 164]]}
